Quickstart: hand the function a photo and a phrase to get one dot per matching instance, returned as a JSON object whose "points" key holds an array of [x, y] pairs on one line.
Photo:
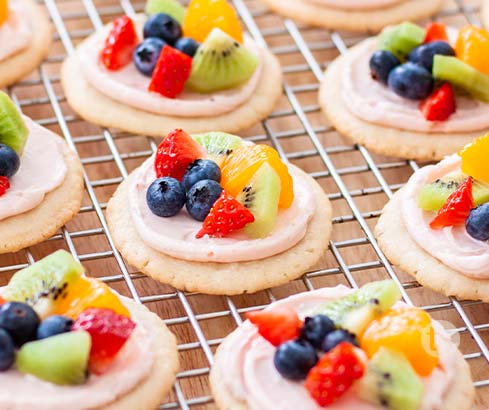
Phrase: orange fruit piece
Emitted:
{"points": [[240, 166], [474, 157], [409, 331], [89, 293], [204, 15], [472, 47], [3, 11]]}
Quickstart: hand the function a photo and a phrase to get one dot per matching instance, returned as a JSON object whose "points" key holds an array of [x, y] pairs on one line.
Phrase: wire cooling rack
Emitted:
{"points": [[358, 182]]}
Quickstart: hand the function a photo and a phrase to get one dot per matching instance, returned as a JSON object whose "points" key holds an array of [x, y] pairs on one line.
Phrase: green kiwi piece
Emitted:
{"points": [[356, 310], [390, 381], [401, 39], [42, 283], [13, 131], [60, 359], [221, 63], [218, 144], [432, 197], [171, 7], [261, 197], [461, 75]]}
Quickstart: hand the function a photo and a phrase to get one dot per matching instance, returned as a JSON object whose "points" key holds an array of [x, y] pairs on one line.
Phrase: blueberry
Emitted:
{"points": [[7, 351], [294, 359], [146, 55], [20, 321], [187, 45], [336, 337], [9, 161], [411, 81], [423, 54], [54, 325], [477, 224], [162, 26], [381, 64], [316, 328], [201, 169], [201, 197], [165, 197]]}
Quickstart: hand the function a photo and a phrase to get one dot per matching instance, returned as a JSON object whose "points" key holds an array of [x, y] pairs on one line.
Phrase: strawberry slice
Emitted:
{"points": [[4, 185], [226, 215], [436, 32], [457, 208], [440, 105], [171, 72], [175, 153], [278, 325], [119, 44]]}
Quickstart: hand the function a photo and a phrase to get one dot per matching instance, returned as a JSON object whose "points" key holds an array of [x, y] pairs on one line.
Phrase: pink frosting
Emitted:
{"points": [[354, 5], [252, 378], [15, 33], [452, 245]]}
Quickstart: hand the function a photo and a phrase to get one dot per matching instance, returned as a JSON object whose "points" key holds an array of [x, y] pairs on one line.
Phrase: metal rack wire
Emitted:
{"points": [[358, 182]]}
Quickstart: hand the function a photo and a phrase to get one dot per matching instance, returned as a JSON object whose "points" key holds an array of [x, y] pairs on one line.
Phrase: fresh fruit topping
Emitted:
{"points": [[109, 332], [474, 159], [9, 161], [171, 72], [204, 15], [165, 197], [477, 223], [227, 215], [407, 330], [436, 32], [472, 47], [146, 55], [171, 7], [164, 27], [187, 45], [7, 351], [20, 321], [60, 359], [440, 105], [456, 209], [199, 170], [221, 63], [336, 337], [391, 382], [334, 374], [240, 166], [119, 44], [277, 325], [54, 325], [3, 11], [423, 55], [4, 185], [294, 359], [201, 197], [316, 328], [401, 39], [218, 145], [381, 64], [13, 131], [411, 81], [175, 153]]}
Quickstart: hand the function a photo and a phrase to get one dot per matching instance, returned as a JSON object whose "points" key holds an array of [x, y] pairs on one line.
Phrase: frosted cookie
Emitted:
{"points": [[355, 15], [429, 106], [70, 342], [41, 182], [214, 214], [335, 348], [153, 74]]}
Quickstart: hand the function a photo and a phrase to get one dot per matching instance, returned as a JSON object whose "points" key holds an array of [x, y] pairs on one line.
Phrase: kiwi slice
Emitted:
{"points": [[432, 197], [13, 131], [356, 310], [171, 7], [401, 39], [42, 283], [61, 359], [390, 381], [221, 63], [218, 144]]}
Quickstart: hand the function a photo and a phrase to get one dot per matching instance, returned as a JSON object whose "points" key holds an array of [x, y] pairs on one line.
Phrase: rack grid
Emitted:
{"points": [[358, 183]]}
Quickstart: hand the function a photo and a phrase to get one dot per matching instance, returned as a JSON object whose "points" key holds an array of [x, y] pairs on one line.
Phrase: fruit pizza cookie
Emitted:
{"points": [[41, 182], [174, 67], [25, 37], [436, 228], [355, 15], [213, 213], [68, 341], [339, 349], [411, 92]]}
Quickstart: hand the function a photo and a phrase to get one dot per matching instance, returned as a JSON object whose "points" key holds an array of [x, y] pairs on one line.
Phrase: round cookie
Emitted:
{"points": [[19, 65], [220, 278], [403, 251], [372, 20], [380, 139]]}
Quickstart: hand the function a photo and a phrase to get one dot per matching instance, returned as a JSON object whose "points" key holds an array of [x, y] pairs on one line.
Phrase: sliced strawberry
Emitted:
{"points": [[436, 32], [171, 72], [226, 215], [175, 153], [4, 185], [440, 105], [119, 44], [278, 325], [457, 207]]}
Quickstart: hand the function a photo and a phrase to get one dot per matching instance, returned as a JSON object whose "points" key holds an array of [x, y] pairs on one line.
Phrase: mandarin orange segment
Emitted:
{"points": [[472, 47], [474, 157], [407, 330], [204, 15], [3, 11], [240, 166]]}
